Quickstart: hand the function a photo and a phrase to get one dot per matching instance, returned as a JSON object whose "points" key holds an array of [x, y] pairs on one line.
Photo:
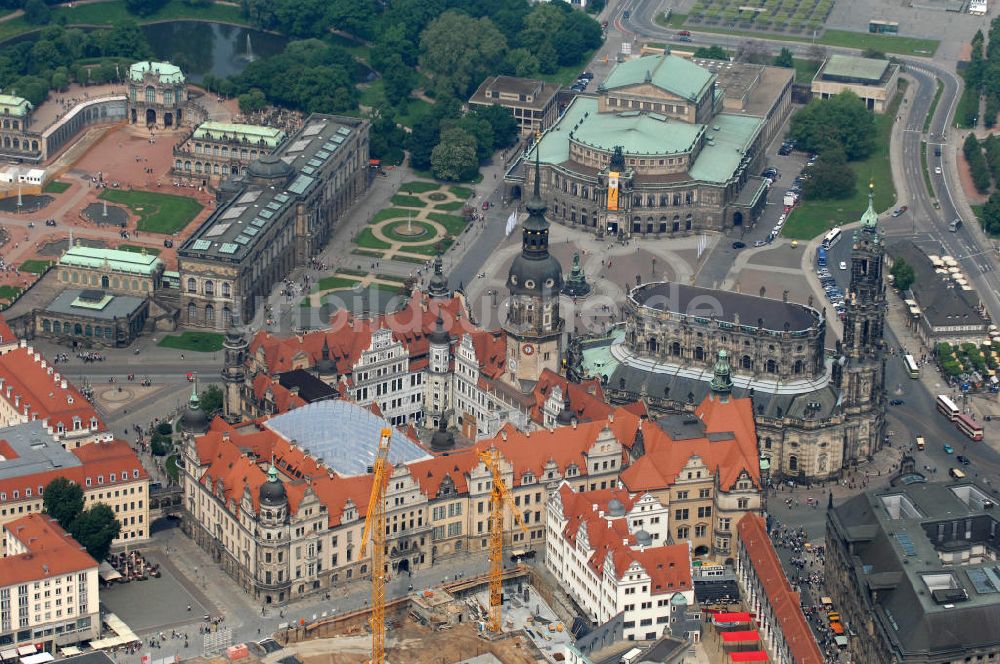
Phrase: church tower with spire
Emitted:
{"points": [[861, 374], [534, 326]]}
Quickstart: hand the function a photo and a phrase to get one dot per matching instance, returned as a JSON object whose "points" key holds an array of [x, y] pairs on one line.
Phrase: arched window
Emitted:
{"points": [[209, 315], [105, 281], [651, 345], [227, 317], [676, 224], [150, 94], [675, 349], [46, 325], [688, 221], [56, 327], [821, 462], [746, 362], [78, 329], [192, 312], [793, 462], [772, 366], [192, 285], [798, 366], [699, 353], [209, 287], [225, 289]]}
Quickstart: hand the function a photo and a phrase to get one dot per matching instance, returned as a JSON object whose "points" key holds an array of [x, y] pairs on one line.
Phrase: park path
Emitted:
{"points": [[384, 229]]}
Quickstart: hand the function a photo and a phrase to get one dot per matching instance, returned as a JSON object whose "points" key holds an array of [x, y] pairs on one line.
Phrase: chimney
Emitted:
{"points": [[37, 357], [63, 384], [574, 423], [611, 418], [24, 343], [56, 377], [225, 435], [593, 507], [503, 434], [600, 514], [609, 525], [44, 364], [624, 539]]}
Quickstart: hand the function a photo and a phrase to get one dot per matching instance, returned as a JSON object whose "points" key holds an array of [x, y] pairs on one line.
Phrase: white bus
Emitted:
{"points": [[832, 238], [947, 407], [911, 366]]}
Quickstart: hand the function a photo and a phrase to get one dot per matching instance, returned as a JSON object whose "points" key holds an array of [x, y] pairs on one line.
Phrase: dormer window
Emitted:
{"points": [[93, 423], [100, 479], [60, 428], [111, 477]]}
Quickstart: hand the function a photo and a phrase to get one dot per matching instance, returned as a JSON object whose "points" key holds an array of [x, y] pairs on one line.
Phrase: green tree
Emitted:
{"points": [[164, 428], [63, 501], [842, 121], [873, 53], [784, 59], [480, 130], [991, 214], [210, 400], [354, 16], [36, 12], [902, 274], [386, 138], [520, 62], [393, 41], [252, 100], [398, 80], [458, 51], [95, 529], [578, 35], [60, 80], [454, 158], [501, 119], [978, 168], [830, 177], [423, 138], [712, 53], [143, 7], [125, 40]]}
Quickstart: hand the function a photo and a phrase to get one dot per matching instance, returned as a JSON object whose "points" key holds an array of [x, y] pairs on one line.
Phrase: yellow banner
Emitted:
{"points": [[612, 190]]}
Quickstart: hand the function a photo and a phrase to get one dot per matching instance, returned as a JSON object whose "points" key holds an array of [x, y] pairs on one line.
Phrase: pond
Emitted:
{"points": [[219, 49]]}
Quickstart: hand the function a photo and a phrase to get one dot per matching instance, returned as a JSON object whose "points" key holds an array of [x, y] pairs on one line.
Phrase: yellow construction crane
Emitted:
{"points": [[499, 496], [375, 528]]}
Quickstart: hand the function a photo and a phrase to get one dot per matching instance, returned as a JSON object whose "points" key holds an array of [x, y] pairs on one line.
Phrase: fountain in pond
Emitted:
{"points": [[249, 53], [104, 212]]}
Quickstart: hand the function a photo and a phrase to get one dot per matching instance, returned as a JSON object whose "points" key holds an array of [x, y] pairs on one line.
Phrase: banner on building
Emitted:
{"points": [[613, 190]]}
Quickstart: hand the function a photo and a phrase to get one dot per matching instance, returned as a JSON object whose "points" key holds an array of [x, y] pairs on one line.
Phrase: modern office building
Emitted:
{"points": [[913, 573], [534, 104], [875, 81]]}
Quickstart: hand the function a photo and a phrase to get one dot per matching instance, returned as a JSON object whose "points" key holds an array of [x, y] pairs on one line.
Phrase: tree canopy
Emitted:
{"points": [[784, 58], [458, 51], [95, 529], [902, 274], [830, 177], [63, 501], [842, 121], [454, 157], [210, 400]]}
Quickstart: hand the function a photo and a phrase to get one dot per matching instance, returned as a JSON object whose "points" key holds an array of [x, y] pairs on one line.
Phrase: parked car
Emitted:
{"points": [[900, 210], [50, 222], [948, 449], [896, 402], [739, 245], [760, 243], [587, 75], [169, 244], [964, 460], [937, 170], [843, 265]]}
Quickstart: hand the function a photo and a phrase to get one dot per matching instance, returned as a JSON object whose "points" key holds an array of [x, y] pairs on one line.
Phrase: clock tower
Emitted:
{"points": [[534, 326]]}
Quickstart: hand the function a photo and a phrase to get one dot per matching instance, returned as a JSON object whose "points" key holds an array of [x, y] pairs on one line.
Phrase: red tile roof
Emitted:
{"points": [[99, 461], [7, 335], [726, 457], [283, 398], [348, 336], [586, 399], [669, 567], [51, 552], [785, 603], [26, 382]]}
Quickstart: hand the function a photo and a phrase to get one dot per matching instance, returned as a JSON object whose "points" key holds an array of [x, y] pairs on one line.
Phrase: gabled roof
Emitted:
{"points": [[7, 335], [50, 551], [775, 588], [24, 381], [585, 398], [350, 336], [727, 456], [669, 72]]}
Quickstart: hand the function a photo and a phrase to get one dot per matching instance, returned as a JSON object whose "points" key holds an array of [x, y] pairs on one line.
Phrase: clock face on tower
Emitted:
{"points": [[527, 349]]}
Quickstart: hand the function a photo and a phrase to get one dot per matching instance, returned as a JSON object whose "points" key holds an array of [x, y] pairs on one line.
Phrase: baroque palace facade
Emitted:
{"points": [[280, 503], [816, 411], [660, 149]]}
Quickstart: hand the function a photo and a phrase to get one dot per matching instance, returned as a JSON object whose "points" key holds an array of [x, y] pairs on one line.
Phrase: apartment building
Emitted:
{"points": [[609, 549], [48, 586], [32, 389], [784, 630], [109, 472]]}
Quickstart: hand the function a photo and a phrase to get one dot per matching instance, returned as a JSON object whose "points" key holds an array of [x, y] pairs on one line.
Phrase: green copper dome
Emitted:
{"points": [[870, 218]]}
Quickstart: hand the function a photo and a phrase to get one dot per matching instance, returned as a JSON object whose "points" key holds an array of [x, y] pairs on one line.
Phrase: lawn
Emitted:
{"points": [[201, 342], [934, 105], [390, 213], [670, 19], [409, 259], [450, 206], [366, 252], [172, 470], [106, 13], [391, 232], [366, 240], [429, 249], [35, 266], [403, 200], [55, 187], [453, 224], [815, 217], [566, 75], [461, 192], [418, 187], [136, 249], [354, 273], [925, 170], [415, 109], [9, 292], [158, 213], [805, 69], [334, 283]]}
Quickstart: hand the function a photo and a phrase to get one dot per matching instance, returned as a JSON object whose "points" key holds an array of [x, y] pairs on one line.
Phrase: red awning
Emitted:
{"points": [[731, 618], [740, 637], [752, 656]]}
